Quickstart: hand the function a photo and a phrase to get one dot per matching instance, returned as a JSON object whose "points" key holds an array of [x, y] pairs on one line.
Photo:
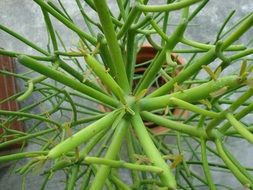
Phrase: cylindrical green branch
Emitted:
{"points": [[168, 7], [122, 164], [106, 56], [82, 136], [196, 109], [50, 29], [62, 78], [111, 38], [236, 104], [73, 178], [27, 93], [66, 22], [238, 164], [206, 166], [152, 152], [26, 137], [244, 27], [209, 46], [104, 76], [15, 54], [193, 94], [111, 153], [29, 115], [238, 116], [180, 127], [18, 156], [23, 39], [237, 173], [205, 59], [131, 56], [127, 25], [159, 60], [241, 129], [61, 164]]}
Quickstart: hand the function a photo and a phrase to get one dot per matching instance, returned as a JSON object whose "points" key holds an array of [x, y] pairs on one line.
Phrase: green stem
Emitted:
{"points": [[50, 29], [83, 153], [238, 165], [27, 93], [73, 177], [104, 76], [62, 78], [122, 9], [29, 115], [244, 27], [86, 179], [169, 7], [183, 128], [204, 60], [198, 9], [236, 104], [223, 25], [236, 24], [243, 179], [81, 136], [206, 166], [239, 127], [165, 23], [193, 94], [142, 23], [192, 107], [45, 181], [131, 56], [235, 57], [88, 147], [120, 184], [87, 119], [106, 56], [209, 46], [159, 60], [111, 153], [122, 164], [64, 10], [238, 116], [15, 54], [18, 156], [24, 40], [66, 21], [88, 21], [152, 152], [29, 136], [78, 75], [131, 152], [55, 7], [72, 104], [111, 38], [180, 151], [127, 25]]}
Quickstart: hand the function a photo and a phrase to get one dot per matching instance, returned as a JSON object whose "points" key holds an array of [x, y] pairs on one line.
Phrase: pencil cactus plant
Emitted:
{"points": [[87, 145]]}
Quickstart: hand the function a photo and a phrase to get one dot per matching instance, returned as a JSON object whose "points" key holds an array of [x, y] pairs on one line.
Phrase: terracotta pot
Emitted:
{"points": [[8, 88], [145, 54]]}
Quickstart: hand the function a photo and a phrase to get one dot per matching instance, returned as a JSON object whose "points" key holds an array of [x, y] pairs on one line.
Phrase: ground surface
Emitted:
{"points": [[25, 17]]}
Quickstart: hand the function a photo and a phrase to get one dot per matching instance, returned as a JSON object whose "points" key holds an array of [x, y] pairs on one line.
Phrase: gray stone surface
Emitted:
{"points": [[25, 17]]}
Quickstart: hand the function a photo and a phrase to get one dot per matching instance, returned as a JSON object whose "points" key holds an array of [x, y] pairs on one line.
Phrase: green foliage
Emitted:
{"points": [[89, 143]]}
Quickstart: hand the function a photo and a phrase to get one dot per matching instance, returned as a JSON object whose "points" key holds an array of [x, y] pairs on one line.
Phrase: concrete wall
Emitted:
{"points": [[25, 17]]}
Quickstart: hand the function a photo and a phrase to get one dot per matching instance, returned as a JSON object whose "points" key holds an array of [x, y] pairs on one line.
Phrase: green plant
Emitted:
{"points": [[90, 155]]}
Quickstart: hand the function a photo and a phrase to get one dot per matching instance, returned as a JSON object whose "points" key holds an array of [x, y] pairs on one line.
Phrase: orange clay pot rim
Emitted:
{"points": [[150, 47], [159, 129]]}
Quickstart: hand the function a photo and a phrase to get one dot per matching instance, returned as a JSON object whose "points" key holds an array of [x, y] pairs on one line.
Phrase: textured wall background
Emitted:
{"points": [[25, 17]]}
